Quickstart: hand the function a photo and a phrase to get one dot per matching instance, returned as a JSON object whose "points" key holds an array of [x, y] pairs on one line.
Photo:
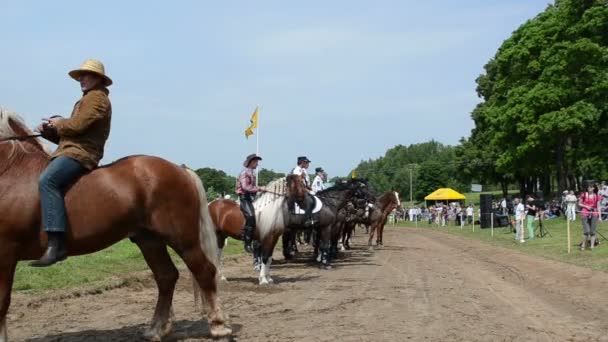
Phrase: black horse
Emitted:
{"points": [[333, 200]]}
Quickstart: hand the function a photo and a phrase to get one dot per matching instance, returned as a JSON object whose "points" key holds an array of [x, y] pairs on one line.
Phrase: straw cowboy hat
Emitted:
{"points": [[249, 158], [91, 66]]}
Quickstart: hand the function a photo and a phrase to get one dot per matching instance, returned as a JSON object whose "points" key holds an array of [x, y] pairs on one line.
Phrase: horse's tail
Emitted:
{"points": [[206, 234], [206, 227]]}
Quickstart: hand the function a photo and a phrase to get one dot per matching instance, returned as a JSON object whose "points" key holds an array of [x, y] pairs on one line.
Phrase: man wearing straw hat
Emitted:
{"points": [[81, 140], [246, 190]]}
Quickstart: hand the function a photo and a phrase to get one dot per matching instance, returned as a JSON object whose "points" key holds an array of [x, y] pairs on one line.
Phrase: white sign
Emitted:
{"points": [[476, 187]]}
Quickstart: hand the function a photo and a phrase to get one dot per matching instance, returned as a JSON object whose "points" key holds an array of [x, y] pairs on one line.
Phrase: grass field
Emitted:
{"points": [[551, 247], [122, 258]]}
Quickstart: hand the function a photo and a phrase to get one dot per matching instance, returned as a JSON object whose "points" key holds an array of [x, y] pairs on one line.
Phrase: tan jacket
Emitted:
{"points": [[84, 134]]}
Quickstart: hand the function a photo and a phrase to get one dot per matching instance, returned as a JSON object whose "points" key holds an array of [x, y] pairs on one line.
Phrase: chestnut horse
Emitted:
{"points": [[378, 215], [152, 201]]}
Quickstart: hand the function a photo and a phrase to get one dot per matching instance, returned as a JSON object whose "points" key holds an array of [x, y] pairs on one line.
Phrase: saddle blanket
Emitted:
{"points": [[317, 208]]}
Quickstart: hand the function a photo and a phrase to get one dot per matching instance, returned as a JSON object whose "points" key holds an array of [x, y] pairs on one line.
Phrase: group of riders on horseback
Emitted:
{"points": [[155, 203], [247, 190], [81, 139]]}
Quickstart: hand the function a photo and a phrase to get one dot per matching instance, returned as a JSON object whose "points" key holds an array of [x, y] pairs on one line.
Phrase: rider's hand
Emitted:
{"points": [[54, 120]]}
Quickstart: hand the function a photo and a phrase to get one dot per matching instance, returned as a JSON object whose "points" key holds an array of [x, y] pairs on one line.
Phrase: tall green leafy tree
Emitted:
{"points": [[545, 96]]}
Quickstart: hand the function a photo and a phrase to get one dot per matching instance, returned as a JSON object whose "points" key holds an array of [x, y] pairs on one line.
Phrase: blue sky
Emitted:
{"points": [[337, 81]]}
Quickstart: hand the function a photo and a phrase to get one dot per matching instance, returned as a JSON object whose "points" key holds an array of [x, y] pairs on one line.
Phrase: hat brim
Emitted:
{"points": [[75, 74], [248, 160]]}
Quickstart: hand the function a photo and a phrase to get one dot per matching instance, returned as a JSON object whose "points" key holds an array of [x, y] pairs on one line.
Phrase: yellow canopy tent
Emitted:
{"points": [[444, 194]]}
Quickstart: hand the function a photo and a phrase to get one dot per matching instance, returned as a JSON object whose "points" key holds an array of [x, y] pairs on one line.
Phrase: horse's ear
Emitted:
{"points": [[16, 127]]}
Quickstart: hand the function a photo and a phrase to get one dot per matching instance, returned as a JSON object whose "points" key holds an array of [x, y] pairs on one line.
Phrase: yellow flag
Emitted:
{"points": [[254, 123], [353, 174]]}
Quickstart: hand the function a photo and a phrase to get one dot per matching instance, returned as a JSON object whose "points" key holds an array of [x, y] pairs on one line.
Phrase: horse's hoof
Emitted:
{"points": [[327, 267], [152, 336], [263, 281], [220, 330]]}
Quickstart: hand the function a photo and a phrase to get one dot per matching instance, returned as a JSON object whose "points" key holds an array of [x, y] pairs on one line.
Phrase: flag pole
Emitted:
{"points": [[257, 145]]}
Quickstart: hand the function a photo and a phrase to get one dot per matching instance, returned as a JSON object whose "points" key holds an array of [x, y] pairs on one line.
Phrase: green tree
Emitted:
{"points": [[545, 97], [217, 180], [265, 176]]}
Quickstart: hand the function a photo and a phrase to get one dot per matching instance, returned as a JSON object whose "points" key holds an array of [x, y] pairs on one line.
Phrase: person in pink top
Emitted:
{"points": [[247, 190], [590, 204]]}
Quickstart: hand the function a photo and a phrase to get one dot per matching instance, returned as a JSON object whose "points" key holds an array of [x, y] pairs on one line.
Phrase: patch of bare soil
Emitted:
{"points": [[422, 286]]}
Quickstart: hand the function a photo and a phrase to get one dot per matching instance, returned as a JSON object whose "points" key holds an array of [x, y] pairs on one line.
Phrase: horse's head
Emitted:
{"points": [[296, 190], [13, 126], [362, 192], [397, 200]]}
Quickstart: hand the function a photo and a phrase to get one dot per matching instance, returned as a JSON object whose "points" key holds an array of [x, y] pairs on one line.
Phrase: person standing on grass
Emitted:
{"points": [[531, 216], [590, 208], [470, 211], [571, 206], [520, 215]]}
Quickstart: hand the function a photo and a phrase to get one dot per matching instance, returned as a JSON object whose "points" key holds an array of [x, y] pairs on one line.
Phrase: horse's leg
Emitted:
{"points": [[221, 242], [266, 250], [257, 255], [204, 271], [372, 230], [8, 261], [286, 252], [380, 232], [158, 259], [324, 246]]}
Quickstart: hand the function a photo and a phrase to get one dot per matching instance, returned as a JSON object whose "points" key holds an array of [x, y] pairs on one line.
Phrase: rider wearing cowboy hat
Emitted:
{"points": [[81, 140], [300, 170], [246, 190]]}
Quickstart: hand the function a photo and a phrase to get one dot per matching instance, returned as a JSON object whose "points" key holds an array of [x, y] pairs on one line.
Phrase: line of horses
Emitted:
{"points": [[158, 204]]}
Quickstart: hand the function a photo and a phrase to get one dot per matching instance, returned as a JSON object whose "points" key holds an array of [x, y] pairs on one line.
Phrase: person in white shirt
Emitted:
{"points": [[520, 215], [317, 183], [469, 212], [503, 206], [571, 205], [301, 170]]}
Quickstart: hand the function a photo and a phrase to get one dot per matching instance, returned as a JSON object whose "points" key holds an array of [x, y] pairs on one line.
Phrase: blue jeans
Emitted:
{"points": [[55, 179]]}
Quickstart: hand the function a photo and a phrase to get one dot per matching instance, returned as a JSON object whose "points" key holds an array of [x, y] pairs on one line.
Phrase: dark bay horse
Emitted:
{"points": [[333, 199], [152, 201], [378, 215]]}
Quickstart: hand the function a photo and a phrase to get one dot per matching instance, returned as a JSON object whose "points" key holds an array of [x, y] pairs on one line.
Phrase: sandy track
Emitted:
{"points": [[422, 286]]}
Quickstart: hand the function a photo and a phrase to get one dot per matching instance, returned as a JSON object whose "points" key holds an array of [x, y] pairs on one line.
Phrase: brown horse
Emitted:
{"points": [[379, 214], [229, 221], [152, 201]]}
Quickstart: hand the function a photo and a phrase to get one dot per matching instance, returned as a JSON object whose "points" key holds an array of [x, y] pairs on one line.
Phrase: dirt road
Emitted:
{"points": [[422, 286]]}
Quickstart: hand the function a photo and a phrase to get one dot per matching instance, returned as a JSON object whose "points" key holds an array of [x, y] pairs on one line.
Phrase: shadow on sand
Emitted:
{"points": [[182, 330]]}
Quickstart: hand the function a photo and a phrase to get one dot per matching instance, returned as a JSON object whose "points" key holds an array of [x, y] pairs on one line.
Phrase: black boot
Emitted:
{"points": [[248, 239], [55, 251]]}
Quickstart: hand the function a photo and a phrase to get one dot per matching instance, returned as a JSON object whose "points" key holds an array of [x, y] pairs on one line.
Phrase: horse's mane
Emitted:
{"points": [[276, 190], [6, 131], [340, 186]]}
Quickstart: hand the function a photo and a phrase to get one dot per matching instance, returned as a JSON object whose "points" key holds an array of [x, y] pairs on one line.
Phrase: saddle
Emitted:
{"points": [[300, 211]]}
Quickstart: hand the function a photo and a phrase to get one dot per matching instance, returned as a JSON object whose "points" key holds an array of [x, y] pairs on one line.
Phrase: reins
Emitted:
{"points": [[22, 137], [275, 193]]}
